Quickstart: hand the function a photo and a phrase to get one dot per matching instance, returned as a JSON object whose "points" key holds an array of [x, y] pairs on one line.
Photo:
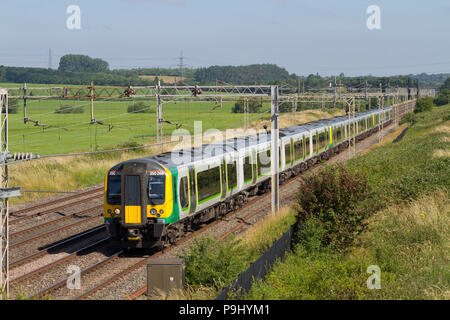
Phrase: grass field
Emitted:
{"points": [[73, 132]]}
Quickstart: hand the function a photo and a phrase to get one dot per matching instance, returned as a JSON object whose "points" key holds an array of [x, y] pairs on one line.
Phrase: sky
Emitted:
{"points": [[324, 36]]}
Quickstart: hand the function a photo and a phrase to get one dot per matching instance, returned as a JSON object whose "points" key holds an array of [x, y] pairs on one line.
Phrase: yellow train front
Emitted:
{"points": [[139, 216]]}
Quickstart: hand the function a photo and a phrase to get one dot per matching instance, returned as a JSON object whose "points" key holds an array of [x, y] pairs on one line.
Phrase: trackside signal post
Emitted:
{"points": [[274, 154], [5, 194]]}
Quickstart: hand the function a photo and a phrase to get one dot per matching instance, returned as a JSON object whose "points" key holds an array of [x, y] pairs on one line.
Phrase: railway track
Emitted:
{"points": [[67, 258], [20, 219], [74, 215], [23, 242], [57, 246]]}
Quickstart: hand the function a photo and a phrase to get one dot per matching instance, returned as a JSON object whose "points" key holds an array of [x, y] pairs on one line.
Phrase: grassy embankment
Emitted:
{"points": [[407, 235], [70, 173]]}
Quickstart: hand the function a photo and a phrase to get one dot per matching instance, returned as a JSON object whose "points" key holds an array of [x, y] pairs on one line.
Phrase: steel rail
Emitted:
{"points": [[47, 234], [36, 207], [59, 261], [47, 250], [52, 210]]}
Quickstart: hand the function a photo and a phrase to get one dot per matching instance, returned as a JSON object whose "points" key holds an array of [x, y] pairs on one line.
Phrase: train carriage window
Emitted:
{"points": [[287, 153], [307, 146], [248, 172], [263, 162], [208, 183], [322, 140], [156, 189], [232, 174], [338, 134], [113, 192], [184, 193], [298, 149], [315, 143]]}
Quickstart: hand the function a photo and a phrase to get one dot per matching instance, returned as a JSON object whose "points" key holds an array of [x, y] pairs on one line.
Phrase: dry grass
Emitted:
{"points": [[261, 235], [445, 128], [441, 153], [415, 236], [288, 120]]}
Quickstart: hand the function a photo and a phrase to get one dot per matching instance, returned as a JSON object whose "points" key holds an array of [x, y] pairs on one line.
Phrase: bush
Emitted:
{"points": [[69, 109], [253, 106], [140, 107], [443, 98], [408, 118], [424, 104], [214, 263], [13, 106], [330, 200]]}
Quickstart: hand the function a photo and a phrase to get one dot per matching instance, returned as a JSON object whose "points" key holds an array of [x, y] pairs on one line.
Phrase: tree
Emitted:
{"points": [[13, 105], [253, 106], [442, 98], [424, 104], [140, 107], [82, 63], [446, 84]]}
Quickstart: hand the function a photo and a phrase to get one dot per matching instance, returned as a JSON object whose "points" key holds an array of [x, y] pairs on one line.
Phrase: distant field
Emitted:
{"points": [[72, 132], [166, 79]]}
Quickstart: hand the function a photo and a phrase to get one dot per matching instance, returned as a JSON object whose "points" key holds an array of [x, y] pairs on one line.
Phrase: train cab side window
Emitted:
{"points": [[113, 192], [248, 173], [184, 193]]}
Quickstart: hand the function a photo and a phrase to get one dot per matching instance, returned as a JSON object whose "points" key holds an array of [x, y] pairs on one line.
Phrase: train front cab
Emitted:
{"points": [[138, 204]]}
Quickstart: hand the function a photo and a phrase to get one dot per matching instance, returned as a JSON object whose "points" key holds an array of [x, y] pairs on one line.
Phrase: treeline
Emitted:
{"points": [[50, 76], [260, 73], [81, 70]]}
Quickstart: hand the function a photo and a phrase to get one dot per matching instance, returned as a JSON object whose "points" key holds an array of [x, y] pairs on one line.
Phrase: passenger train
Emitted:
{"points": [[152, 201]]}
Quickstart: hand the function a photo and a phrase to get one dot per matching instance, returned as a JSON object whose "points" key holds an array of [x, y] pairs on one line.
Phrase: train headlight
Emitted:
{"points": [[117, 211], [153, 211], [161, 211], [109, 211]]}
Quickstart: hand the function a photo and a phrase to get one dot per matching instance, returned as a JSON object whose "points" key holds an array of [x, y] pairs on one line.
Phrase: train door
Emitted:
{"points": [[132, 199], [192, 190], [223, 177]]}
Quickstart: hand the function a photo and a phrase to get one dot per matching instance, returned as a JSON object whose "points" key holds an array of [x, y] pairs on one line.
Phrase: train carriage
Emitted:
{"points": [[154, 200]]}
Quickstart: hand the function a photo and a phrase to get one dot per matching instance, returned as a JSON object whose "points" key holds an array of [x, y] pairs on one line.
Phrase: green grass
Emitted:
{"points": [[72, 132], [407, 236]]}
